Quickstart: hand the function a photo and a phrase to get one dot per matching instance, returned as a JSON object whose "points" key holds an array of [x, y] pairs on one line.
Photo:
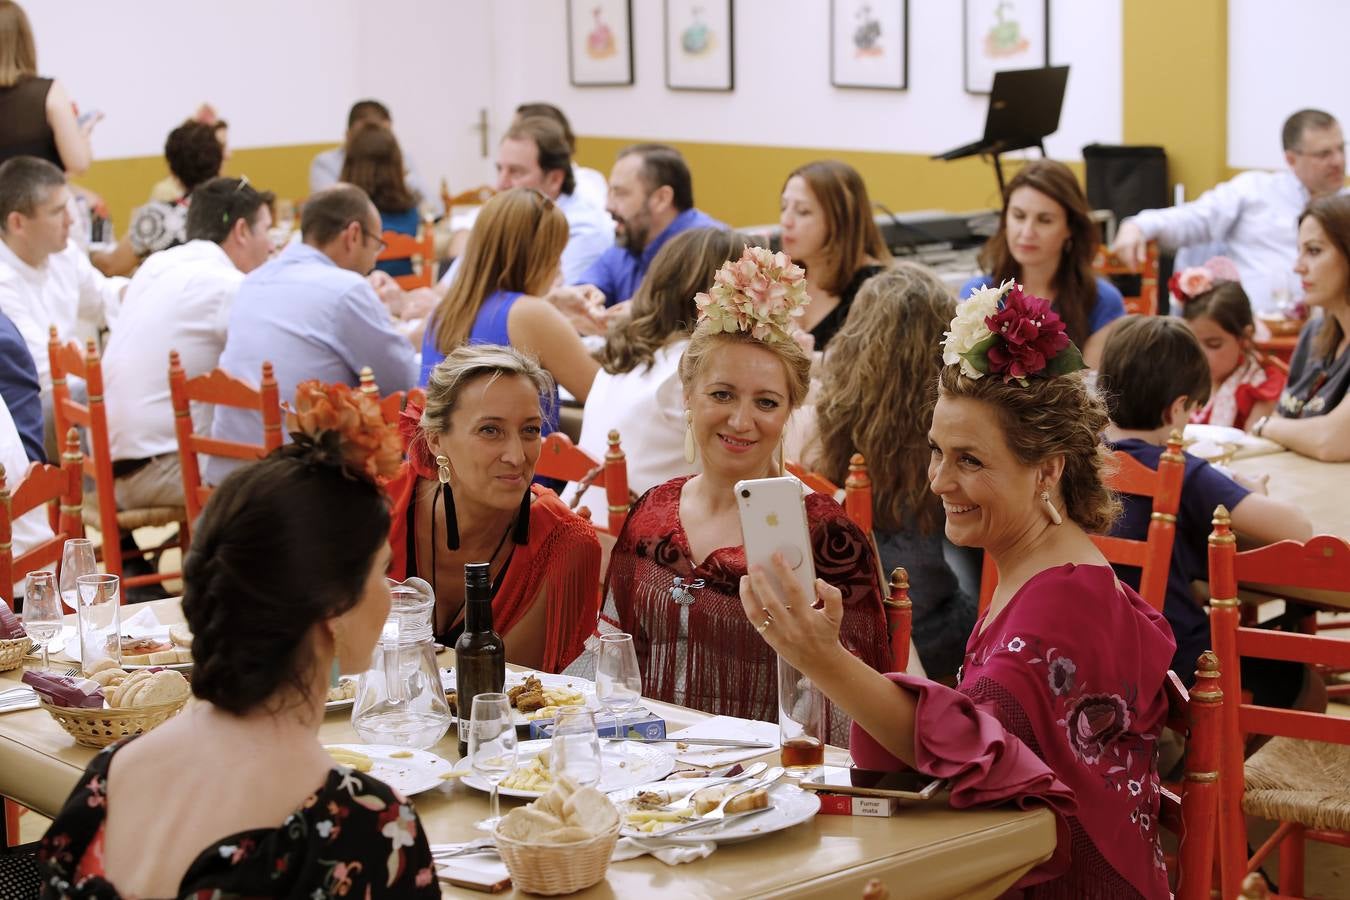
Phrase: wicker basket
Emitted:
{"points": [[12, 652], [98, 728], [557, 868]]}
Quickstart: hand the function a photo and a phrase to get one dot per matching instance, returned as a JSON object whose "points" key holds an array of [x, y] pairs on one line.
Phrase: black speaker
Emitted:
{"points": [[1126, 179]]}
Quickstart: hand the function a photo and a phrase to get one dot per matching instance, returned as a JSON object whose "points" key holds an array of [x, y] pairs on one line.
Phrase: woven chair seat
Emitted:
{"points": [[131, 519], [1291, 780]]}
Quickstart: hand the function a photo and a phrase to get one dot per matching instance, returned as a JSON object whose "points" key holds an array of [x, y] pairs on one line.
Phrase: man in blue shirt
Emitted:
{"points": [[312, 314], [651, 198], [21, 390]]}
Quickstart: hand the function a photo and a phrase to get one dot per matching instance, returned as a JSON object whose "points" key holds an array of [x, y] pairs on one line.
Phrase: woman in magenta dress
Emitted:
{"points": [[1060, 700], [675, 571]]}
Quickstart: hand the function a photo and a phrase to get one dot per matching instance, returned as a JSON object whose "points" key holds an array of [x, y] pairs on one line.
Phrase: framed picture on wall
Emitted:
{"points": [[869, 44], [700, 50], [1004, 34], [600, 42]]}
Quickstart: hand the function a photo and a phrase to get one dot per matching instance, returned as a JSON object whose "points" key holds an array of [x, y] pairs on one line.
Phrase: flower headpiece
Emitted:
{"points": [[1003, 331], [344, 428], [762, 292], [1187, 284]]}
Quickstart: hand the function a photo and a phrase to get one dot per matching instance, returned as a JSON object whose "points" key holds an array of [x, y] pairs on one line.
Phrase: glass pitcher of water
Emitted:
{"points": [[399, 699]]}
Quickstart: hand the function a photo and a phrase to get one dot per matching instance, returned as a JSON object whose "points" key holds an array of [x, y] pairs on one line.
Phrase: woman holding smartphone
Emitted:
{"points": [[673, 574]]}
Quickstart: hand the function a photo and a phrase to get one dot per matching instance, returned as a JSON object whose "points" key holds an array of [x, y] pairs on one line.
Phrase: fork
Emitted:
{"points": [[688, 799], [447, 851], [720, 812]]}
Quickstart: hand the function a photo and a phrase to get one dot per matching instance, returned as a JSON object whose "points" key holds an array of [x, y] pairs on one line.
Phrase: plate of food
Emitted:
{"points": [[640, 807], [626, 763], [1217, 434], [404, 769], [342, 695], [164, 648], [534, 695]]}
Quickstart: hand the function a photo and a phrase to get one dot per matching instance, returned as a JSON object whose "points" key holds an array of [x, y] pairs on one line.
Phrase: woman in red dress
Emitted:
{"points": [[674, 572], [1060, 700]]}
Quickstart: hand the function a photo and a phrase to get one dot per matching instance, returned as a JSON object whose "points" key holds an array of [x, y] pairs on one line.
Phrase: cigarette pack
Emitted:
{"points": [[849, 805], [648, 728]]}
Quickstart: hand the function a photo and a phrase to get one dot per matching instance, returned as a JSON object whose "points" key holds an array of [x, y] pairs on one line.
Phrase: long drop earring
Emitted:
{"points": [[690, 448], [520, 533], [448, 498], [1055, 517]]}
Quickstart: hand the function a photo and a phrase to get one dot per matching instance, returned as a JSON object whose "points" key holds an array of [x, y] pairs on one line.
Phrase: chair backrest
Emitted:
{"points": [[1153, 555], [1323, 563], [561, 459], [857, 488], [472, 197], [419, 249], [1194, 815], [390, 406], [221, 389], [1109, 266], [41, 484], [899, 619]]}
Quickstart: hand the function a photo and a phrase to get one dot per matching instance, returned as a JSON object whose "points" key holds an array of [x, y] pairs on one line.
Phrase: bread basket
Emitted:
{"points": [[538, 868], [12, 652], [98, 728]]}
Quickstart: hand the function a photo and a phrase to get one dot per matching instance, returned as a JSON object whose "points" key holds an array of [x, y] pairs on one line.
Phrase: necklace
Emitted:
{"points": [[501, 573]]}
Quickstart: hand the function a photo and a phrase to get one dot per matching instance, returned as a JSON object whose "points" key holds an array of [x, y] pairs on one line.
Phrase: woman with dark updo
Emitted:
{"points": [[283, 587]]}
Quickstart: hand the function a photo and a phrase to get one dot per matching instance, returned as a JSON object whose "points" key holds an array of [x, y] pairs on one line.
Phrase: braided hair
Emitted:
{"points": [[283, 544]]}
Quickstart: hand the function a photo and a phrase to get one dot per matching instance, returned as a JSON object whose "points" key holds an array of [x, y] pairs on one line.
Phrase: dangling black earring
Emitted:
{"points": [[521, 532], [448, 498]]}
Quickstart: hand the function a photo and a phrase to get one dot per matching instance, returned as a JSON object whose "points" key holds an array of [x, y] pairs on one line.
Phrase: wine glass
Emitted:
{"points": [[77, 558], [492, 746], [618, 680], [42, 611], [575, 751]]}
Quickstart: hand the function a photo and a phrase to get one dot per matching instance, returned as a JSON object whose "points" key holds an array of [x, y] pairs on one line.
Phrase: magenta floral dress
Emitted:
{"points": [[354, 838], [1060, 702]]}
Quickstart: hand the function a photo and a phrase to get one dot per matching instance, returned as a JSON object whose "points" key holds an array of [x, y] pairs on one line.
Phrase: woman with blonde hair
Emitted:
{"points": [[827, 224], [512, 259], [38, 114], [674, 571], [637, 390], [875, 394]]}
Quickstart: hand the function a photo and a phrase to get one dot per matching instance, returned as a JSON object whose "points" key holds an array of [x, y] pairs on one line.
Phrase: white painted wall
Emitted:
{"points": [[1282, 57]]}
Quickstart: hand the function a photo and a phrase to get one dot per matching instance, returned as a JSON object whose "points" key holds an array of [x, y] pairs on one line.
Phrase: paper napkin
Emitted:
{"points": [[723, 727]]}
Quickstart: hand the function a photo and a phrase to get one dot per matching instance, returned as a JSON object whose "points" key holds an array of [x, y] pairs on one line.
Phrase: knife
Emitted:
{"points": [[703, 823], [711, 742]]}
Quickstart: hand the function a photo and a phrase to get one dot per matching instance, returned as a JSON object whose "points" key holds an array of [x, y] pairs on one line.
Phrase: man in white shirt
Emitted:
{"points": [[32, 527], [1255, 215], [326, 169], [592, 186], [180, 300], [45, 278]]}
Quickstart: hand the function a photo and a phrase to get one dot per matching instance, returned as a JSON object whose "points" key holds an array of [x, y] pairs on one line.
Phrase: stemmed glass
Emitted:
{"points": [[576, 747], [492, 746], [42, 611], [618, 680], [77, 558]]}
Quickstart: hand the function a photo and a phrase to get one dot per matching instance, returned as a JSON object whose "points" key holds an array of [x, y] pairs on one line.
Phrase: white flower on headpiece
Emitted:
{"points": [[968, 328], [762, 292]]}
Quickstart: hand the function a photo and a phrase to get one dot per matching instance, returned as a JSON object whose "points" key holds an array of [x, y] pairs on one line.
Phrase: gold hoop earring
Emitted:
{"points": [[1055, 517], [690, 448]]}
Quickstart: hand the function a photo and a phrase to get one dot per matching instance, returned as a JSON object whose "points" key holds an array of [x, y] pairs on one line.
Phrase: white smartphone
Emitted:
{"points": [[773, 520]]}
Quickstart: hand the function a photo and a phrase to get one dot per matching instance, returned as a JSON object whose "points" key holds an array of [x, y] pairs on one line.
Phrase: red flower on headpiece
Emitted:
{"points": [[1031, 335]]}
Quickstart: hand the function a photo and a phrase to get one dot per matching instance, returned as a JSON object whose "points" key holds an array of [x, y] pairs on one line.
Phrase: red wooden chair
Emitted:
{"points": [[1109, 266], [69, 359], [419, 249], [899, 619], [857, 489], [1299, 778], [392, 405], [60, 487], [814, 480], [565, 461], [222, 389], [1153, 555]]}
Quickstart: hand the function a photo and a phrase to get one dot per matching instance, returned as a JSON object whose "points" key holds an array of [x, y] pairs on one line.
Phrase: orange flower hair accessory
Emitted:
{"points": [[762, 292], [345, 428]]}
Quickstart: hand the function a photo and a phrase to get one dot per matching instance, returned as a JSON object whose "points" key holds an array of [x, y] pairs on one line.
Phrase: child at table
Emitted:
{"points": [[1244, 385], [1154, 374]]}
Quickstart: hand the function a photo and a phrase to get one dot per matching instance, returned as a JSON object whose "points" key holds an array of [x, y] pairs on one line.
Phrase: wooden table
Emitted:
{"points": [[929, 851]]}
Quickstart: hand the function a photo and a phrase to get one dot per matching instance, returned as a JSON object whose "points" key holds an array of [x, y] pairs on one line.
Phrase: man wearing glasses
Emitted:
{"points": [[1255, 215], [312, 314]]}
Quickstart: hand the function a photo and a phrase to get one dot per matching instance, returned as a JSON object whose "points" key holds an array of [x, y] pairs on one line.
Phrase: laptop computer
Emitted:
{"points": [[1024, 107]]}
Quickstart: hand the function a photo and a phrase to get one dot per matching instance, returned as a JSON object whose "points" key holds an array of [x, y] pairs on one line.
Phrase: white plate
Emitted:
{"points": [[1217, 434], [72, 648], [410, 772], [521, 720], [626, 763], [341, 704], [791, 806]]}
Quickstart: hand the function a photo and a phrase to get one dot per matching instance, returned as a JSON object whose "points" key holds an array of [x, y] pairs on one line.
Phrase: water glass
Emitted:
{"points": [[801, 721], [42, 611], [77, 558], [492, 746], [575, 751], [618, 680], [100, 619]]}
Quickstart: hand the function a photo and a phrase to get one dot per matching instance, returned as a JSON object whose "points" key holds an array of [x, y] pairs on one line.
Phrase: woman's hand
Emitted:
{"points": [[802, 632]]}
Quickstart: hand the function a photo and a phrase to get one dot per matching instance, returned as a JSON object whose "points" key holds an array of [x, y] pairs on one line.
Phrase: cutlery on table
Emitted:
{"points": [[688, 799], [701, 823], [447, 851], [710, 742], [720, 812]]}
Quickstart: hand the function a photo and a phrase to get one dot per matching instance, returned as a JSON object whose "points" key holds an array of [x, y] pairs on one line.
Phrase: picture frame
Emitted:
{"points": [[1003, 34], [700, 45], [869, 44], [600, 43]]}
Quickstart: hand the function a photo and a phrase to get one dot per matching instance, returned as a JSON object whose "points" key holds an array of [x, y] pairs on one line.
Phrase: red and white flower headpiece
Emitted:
{"points": [[1003, 331]]}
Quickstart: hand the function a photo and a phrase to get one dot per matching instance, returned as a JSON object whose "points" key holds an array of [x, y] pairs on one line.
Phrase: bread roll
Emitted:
{"points": [[102, 665], [121, 694], [184, 655], [109, 677], [164, 686], [180, 635], [135, 659], [707, 800], [591, 810], [164, 658]]}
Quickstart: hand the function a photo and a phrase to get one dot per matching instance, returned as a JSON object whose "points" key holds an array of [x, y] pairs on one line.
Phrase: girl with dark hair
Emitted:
{"points": [[374, 163], [283, 587], [1045, 242]]}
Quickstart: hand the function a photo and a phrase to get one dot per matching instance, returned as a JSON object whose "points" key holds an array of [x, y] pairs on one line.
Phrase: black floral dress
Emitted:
{"points": [[354, 838]]}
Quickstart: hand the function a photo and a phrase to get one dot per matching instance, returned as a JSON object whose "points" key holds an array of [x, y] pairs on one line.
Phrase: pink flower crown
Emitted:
{"points": [[762, 292], [1189, 283], [1003, 331]]}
